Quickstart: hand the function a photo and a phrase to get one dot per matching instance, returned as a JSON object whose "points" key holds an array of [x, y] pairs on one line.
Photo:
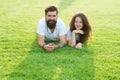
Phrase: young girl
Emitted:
{"points": [[79, 31]]}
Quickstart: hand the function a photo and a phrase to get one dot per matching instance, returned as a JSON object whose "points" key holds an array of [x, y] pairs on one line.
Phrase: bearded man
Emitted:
{"points": [[51, 28]]}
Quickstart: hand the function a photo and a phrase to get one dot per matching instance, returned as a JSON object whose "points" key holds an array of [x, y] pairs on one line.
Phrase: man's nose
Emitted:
{"points": [[51, 17]]}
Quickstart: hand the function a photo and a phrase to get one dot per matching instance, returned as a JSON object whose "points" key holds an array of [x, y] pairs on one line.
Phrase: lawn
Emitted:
{"points": [[22, 59]]}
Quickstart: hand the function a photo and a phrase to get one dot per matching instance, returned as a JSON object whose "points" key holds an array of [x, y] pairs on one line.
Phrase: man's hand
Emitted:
{"points": [[49, 47]]}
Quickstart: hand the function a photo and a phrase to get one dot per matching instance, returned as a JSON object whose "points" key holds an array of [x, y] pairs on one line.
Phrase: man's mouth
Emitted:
{"points": [[51, 21]]}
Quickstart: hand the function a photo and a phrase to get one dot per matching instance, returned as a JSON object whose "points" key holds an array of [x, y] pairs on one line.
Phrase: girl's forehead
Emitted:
{"points": [[78, 18]]}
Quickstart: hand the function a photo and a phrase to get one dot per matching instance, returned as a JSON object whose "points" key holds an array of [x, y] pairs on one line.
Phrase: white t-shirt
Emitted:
{"points": [[60, 29]]}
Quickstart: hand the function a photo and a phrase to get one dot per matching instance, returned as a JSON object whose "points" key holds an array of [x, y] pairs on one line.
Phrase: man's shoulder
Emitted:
{"points": [[60, 21], [42, 20]]}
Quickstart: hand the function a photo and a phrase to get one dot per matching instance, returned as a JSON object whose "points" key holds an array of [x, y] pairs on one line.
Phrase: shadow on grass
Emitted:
{"points": [[66, 63]]}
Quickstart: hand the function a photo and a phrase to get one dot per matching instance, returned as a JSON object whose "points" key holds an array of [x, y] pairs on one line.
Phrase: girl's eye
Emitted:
{"points": [[76, 21]]}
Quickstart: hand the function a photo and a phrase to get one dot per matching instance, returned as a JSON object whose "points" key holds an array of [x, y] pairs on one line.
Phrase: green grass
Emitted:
{"points": [[22, 59]]}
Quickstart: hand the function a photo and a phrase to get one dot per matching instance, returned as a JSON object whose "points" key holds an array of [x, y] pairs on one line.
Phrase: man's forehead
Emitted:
{"points": [[51, 13]]}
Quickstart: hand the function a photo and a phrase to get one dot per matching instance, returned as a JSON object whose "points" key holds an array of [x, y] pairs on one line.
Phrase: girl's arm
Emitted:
{"points": [[72, 40]]}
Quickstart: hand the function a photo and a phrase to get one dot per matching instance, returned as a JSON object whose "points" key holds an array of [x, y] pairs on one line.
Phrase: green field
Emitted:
{"points": [[22, 59]]}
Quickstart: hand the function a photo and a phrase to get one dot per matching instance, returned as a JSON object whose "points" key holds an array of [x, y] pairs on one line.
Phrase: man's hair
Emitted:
{"points": [[51, 8]]}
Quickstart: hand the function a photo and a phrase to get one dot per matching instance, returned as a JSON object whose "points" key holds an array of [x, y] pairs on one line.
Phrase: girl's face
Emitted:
{"points": [[78, 23]]}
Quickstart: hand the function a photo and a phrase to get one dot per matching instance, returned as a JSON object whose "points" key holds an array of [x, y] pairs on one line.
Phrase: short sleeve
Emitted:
{"points": [[41, 28], [61, 27], [63, 30], [69, 33]]}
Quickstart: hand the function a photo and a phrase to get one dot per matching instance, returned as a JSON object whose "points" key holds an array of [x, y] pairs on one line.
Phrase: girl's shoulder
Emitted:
{"points": [[68, 28]]}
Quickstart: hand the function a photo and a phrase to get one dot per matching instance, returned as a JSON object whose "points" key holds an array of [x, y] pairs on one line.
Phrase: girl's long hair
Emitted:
{"points": [[86, 27]]}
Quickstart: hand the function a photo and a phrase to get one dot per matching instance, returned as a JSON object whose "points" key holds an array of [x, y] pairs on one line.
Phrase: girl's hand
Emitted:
{"points": [[78, 46], [78, 31]]}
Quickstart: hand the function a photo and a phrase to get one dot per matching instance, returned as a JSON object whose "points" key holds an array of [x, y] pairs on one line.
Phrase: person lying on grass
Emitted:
{"points": [[51, 28], [79, 31]]}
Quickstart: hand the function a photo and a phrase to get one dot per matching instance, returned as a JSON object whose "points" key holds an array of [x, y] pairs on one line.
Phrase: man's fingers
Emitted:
{"points": [[48, 46]]}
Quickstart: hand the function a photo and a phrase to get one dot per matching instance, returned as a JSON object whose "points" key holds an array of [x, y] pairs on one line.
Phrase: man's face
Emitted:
{"points": [[51, 19]]}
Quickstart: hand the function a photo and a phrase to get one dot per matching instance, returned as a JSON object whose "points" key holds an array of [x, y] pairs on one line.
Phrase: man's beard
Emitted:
{"points": [[51, 24]]}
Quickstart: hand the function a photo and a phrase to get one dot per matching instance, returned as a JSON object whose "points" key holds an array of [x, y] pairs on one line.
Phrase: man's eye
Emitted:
{"points": [[54, 15]]}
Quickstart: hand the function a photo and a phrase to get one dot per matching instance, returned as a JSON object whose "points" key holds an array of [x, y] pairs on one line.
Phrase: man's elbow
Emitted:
{"points": [[39, 44], [65, 42]]}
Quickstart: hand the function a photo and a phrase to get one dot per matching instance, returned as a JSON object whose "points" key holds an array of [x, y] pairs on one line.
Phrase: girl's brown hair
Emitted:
{"points": [[86, 27]]}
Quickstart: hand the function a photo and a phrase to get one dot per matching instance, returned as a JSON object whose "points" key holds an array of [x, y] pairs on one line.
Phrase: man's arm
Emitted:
{"points": [[62, 41], [41, 41]]}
